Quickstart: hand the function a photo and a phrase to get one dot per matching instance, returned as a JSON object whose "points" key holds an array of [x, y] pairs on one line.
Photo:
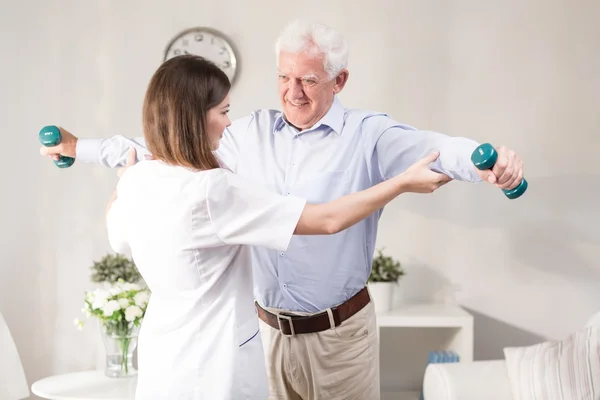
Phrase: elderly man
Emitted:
{"points": [[317, 321]]}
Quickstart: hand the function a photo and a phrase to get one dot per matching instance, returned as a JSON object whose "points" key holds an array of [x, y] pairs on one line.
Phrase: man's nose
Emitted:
{"points": [[295, 89]]}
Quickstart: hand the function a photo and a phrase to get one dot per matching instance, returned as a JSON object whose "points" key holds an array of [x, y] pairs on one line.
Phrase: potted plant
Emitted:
{"points": [[115, 267], [119, 307], [385, 272]]}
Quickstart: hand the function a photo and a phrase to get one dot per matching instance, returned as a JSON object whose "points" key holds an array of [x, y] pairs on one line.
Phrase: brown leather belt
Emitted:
{"points": [[290, 324]]}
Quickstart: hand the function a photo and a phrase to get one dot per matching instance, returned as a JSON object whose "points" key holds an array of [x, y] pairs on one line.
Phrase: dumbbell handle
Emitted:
{"points": [[50, 136], [484, 157]]}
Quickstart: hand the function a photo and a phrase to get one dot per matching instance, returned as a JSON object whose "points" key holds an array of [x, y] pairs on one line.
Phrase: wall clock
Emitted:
{"points": [[208, 43]]}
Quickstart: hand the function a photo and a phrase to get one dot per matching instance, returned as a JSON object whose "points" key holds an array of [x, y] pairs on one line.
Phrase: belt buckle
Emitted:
{"points": [[289, 319]]}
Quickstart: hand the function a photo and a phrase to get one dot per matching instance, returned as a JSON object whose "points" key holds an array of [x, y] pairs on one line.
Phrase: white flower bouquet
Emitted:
{"points": [[119, 309]]}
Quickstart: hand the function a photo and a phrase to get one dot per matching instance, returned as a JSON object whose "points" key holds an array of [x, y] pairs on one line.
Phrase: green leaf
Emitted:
{"points": [[385, 269], [114, 267]]}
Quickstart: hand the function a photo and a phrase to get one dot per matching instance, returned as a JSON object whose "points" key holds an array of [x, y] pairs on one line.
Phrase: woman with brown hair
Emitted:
{"points": [[189, 224]]}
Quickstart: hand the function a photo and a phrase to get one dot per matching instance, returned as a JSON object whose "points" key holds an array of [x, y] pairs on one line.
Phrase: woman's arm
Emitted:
{"points": [[131, 160], [116, 216], [340, 214], [112, 199]]}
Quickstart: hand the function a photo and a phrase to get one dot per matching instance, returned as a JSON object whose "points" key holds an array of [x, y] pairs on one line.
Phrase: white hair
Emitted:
{"points": [[301, 36]]}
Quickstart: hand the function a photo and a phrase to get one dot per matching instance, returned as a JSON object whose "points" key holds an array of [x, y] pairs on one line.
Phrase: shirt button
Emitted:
{"points": [[281, 254], [285, 285]]}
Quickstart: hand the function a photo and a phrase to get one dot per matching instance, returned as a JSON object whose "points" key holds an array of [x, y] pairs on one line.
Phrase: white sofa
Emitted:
{"points": [[472, 380], [467, 381], [13, 383]]}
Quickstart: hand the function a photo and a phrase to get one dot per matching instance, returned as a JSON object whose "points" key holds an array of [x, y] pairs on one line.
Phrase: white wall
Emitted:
{"points": [[520, 73]]}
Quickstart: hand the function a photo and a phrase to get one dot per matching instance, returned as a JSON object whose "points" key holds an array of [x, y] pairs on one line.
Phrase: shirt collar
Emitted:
{"points": [[334, 119]]}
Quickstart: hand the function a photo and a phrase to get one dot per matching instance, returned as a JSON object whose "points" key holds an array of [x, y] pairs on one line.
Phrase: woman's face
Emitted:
{"points": [[217, 120]]}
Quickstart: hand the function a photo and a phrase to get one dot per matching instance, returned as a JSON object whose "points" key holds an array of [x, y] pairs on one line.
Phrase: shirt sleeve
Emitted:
{"points": [[245, 213], [232, 141], [116, 225], [111, 152], [399, 146]]}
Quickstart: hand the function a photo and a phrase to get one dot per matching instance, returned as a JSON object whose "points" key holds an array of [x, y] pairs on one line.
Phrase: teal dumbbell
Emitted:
{"points": [[50, 136], [484, 157]]}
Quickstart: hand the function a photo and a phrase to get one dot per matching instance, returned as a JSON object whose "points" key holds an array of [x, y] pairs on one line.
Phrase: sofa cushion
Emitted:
{"points": [[567, 369], [478, 380]]}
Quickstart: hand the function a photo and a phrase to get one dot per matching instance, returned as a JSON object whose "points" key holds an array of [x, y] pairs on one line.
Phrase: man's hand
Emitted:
{"points": [[66, 147], [507, 173]]}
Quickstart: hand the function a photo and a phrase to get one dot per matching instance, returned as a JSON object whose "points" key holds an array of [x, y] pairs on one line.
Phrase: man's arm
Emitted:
{"points": [[113, 152], [398, 147]]}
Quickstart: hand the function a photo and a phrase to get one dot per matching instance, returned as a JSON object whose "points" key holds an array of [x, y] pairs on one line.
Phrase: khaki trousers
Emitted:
{"points": [[336, 364]]}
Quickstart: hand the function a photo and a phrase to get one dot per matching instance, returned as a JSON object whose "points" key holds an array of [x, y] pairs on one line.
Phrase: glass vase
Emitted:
{"points": [[119, 343]]}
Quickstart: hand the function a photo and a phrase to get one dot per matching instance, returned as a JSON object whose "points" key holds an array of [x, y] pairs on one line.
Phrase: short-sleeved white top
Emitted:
{"points": [[187, 232]]}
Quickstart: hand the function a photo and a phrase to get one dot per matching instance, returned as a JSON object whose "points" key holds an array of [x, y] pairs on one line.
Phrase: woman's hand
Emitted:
{"points": [[131, 160], [419, 178], [342, 213]]}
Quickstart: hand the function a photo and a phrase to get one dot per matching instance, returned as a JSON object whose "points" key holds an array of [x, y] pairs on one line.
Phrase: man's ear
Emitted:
{"points": [[340, 81]]}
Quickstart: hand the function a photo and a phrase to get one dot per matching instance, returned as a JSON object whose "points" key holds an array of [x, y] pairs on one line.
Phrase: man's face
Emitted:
{"points": [[305, 91]]}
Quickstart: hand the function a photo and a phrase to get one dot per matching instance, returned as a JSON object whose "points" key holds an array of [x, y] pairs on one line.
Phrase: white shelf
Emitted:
{"points": [[426, 316], [402, 395], [412, 332]]}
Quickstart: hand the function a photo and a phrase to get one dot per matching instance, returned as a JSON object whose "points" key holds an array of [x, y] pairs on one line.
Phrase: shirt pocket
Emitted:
{"points": [[323, 187]]}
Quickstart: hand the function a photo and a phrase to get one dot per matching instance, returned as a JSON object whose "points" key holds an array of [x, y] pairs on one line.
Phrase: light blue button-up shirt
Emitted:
{"points": [[346, 151]]}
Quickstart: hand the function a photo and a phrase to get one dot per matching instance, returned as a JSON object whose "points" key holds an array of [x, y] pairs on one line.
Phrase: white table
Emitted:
{"points": [[409, 333], [88, 385]]}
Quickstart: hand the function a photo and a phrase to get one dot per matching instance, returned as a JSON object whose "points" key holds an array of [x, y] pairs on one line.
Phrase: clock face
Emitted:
{"points": [[208, 43]]}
